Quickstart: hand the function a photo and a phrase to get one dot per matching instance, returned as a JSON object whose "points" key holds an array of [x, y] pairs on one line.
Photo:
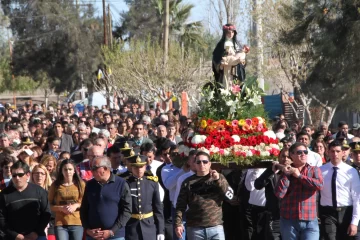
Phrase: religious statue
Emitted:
{"points": [[229, 59]]}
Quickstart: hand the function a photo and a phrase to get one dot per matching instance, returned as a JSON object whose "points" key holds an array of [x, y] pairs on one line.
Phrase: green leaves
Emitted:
{"points": [[229, 104], [55, 38]]}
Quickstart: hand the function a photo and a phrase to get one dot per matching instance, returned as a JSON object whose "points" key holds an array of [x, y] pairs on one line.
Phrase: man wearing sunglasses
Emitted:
{"points": [[339, 202], [313, 158], [297, 188], [24, 207], [201, 196]]}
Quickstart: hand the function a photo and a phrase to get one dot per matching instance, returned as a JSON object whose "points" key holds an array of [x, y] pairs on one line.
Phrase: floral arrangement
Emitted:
{"points": [[232, 127]]}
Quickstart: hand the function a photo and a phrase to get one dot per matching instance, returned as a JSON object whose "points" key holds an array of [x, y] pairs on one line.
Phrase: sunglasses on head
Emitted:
{"points": [[202, 161], [15, 175], [94, 168], [300, 152]]}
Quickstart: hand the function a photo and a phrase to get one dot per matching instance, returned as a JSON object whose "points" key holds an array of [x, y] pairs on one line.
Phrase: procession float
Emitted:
{"points": [[231, 124]]}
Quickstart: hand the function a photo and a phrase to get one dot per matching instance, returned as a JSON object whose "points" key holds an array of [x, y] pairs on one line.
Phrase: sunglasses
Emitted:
{"points": [[94, 168], [300, 152], [202, 161], [15, 175]]}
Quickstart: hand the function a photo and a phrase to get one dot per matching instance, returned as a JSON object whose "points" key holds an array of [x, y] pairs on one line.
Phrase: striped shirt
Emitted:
{"points": [[298, 195]]}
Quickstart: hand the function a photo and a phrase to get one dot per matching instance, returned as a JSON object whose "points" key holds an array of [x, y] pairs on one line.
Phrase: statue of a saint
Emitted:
{"points": [[228, 58]]}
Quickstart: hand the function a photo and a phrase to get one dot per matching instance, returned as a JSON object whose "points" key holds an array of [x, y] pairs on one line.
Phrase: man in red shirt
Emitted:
{"points": [[297, 189]]}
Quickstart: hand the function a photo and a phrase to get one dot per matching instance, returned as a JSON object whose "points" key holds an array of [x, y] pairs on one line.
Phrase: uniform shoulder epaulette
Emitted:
{"points": [[153, 178]]}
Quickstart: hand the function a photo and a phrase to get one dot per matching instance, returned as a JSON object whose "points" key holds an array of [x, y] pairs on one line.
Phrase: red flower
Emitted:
{"points": [[209, 140], [222, 122], [275, 152], [227, 142]]}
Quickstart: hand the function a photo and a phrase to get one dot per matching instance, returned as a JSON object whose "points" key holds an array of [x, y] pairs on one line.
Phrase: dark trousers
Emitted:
{"points": [[258, 218], [246, 221], [272, 231], [335, 223], [231, 218]]}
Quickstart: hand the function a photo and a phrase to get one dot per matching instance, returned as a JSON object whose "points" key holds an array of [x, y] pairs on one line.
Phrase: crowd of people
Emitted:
{"points": [[117, 174], [312, 192], [105, 174]]}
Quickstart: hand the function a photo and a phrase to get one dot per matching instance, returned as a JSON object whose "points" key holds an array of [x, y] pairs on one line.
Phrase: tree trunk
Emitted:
{"points": [[46, 98], [166, 29], [308, 114], [322, 114], [331, 112]]}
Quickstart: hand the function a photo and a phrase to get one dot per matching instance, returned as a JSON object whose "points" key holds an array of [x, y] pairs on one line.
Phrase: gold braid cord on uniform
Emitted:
{"points": [[153, 178]]}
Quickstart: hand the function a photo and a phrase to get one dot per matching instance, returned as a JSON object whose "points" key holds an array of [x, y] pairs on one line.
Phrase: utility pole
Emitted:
{"points": [[105, 26], [110, 27], [166, 30], [258, 28], [77, 6], [11, 66]]}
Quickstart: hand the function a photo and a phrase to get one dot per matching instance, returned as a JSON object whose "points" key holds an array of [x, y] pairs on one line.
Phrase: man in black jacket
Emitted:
{"points": [[269, 179], [24, 207]]}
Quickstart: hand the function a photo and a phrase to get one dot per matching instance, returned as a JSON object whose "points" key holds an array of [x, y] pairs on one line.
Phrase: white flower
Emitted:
{"points": [[256, 100], [211, 95], [226, 152], [229, 103], [184, 149], [270, 134], [264, 153], [249, 153], [236, 138], [276, 146], [224, 92], [214, 149], [261, 120], [197, 139], [202, 149]]}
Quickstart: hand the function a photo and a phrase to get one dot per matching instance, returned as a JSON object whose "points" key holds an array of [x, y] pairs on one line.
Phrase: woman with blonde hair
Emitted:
{"points": [[49, 161], [40, 176]]}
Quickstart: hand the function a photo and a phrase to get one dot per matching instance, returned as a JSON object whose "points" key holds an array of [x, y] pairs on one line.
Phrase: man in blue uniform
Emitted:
{"points": [[147, 220]]}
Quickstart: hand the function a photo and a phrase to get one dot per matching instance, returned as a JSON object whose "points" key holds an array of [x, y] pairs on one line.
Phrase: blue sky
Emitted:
{"points": [[199, 12]]}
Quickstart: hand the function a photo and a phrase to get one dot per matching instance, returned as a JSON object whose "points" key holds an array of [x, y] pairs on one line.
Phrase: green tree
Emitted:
{"points": [[141, 21], [145, 18], [53, 37], [332, 29], [139, 71]]}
